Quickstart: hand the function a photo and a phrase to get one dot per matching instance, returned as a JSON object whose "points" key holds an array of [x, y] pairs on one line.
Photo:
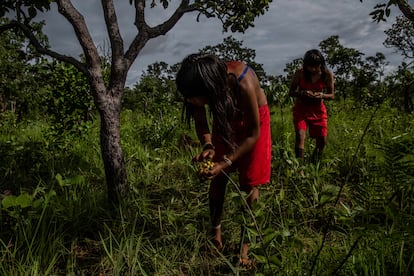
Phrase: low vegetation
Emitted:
{"points": [[352, 214]]}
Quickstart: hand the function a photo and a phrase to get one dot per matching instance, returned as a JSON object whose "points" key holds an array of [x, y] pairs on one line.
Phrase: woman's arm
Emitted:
{"points": [[201, 125], [204, 135], [329, 91]]}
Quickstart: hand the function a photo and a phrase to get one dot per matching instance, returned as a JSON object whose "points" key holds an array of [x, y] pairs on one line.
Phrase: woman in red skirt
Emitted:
{"points": [[311, 85], [240, 137]]}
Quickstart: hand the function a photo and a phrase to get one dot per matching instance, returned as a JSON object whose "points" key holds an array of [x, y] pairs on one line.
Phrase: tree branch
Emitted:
{"points": [[113, 29], [76, 19], [140, 15], [40, 48], [163, 28], [406, 9], [146, 33], [118, 68]]}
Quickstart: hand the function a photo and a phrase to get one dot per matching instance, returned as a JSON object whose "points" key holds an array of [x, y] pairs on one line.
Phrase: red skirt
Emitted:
{"points": [[255, 166], [312, 116]]}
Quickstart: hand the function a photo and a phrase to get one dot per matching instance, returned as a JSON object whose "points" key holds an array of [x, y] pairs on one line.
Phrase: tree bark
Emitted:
{"points": [[107, 97], [406, 9], [112, 153]]}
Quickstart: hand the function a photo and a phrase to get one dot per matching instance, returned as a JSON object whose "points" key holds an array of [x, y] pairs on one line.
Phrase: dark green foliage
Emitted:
{"points": [[397, 171], [21, 71], [28, 159], [32, 6], [235, 15], [401, 37], [68, 102], [155, 93], [156, 130], [400, 88], [61, 221], [277, 93], [355, 77], [291, 67], [381, 11]]}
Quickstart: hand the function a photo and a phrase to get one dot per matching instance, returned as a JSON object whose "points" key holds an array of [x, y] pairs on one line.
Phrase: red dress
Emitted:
{"points": [[311, 112]]}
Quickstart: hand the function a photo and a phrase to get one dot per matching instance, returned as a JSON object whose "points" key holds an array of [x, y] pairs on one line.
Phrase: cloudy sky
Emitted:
{"points": [[284, 33]]}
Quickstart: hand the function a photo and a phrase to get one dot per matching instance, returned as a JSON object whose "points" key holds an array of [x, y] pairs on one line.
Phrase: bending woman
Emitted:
{"points": [[240, 138]]}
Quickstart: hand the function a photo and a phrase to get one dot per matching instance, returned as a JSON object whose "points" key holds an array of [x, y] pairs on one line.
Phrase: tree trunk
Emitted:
{"points": [[112, 154]]}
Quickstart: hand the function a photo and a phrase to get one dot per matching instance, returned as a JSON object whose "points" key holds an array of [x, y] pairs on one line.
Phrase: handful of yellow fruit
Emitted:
{"points": [[205, 166]]}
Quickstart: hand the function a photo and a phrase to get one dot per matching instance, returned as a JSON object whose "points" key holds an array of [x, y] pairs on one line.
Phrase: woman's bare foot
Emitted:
{"points": [[245, 262], [217, 241]]}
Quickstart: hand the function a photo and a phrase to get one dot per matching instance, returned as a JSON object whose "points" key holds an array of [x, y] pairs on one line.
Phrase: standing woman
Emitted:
{"points": [[311, 85], [240, 137]]}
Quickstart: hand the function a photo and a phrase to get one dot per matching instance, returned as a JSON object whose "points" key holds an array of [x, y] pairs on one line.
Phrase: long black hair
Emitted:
{"points": [[206, 75], [314, 58]]}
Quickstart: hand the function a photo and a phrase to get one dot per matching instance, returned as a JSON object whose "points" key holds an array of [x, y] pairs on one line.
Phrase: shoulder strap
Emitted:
{"points": [[243, 73]]}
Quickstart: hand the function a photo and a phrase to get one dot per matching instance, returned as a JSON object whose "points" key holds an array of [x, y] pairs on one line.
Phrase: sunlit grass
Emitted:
{"points": [[65, 227]]}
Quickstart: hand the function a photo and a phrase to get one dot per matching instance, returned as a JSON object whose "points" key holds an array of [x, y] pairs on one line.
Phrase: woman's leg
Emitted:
{"points": [[320, 145], [253, 197], [300, 144], [216, 200]]}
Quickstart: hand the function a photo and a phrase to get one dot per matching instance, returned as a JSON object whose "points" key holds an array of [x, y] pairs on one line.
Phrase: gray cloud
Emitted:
{"points": [[285, 32]]}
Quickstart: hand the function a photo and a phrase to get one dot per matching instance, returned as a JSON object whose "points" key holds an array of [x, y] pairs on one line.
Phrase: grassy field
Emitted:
{"points": [[352, 214]]}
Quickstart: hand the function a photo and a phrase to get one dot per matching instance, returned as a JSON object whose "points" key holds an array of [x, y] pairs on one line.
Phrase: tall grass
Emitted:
{"points": [[355, 207]]}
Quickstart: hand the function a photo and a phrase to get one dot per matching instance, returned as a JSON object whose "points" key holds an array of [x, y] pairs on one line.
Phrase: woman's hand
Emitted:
{"points": [[214, 171], [306, 93], [207, 154], [311, 94]]}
